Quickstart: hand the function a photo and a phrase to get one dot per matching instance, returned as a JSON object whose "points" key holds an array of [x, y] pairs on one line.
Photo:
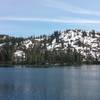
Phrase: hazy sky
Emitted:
{"points": [[31, 17]]}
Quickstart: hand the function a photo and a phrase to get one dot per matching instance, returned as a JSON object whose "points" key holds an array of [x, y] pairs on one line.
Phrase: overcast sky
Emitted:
{"points": [[31, 17]]}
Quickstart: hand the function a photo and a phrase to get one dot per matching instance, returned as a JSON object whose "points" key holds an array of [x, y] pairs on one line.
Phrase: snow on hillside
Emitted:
{"points": [[28, 43], [2, 44], [84, 42], [19, 53], [19, 56]]}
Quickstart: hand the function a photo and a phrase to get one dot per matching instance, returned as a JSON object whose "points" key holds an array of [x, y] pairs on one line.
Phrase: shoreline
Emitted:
{"points": [[42, 66]]}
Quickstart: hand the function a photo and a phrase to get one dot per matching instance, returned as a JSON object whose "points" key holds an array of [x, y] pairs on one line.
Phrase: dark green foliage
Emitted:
{"points": [[93, 33], [84, 34], [79, 43]]}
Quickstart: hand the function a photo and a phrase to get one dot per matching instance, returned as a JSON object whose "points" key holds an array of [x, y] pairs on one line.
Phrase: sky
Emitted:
{"points": [[35, 17]]}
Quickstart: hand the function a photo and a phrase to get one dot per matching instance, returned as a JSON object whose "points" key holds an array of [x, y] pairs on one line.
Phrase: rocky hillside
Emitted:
{"points": [[85, 42], [77, 42]]}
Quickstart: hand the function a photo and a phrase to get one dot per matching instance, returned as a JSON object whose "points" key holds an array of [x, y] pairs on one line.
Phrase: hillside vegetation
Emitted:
{"points": [[60, 48]]}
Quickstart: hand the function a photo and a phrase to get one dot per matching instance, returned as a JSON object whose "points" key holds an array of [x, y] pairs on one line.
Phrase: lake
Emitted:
{"points": [[67, 83]]}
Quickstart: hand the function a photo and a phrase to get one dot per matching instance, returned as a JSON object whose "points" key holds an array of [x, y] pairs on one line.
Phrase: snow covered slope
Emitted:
{"points": [[85, 42]]}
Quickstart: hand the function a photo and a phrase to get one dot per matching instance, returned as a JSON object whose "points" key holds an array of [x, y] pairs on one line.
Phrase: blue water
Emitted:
{"points": [[68, 83]]}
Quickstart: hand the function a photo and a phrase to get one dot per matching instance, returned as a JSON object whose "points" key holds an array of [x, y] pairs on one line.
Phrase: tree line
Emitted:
{"points": [[39, 55]]}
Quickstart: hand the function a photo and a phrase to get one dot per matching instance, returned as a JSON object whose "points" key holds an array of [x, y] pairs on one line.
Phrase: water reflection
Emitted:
{"points": [[50, 84]]}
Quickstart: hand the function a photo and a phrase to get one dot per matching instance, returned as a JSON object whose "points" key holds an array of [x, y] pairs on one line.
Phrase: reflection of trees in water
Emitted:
{"points": [[50, 84], [6, 90], [54, 85]]}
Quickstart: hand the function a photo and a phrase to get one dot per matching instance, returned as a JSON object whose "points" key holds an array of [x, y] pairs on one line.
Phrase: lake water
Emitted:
{"points": [[68, 83]]}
